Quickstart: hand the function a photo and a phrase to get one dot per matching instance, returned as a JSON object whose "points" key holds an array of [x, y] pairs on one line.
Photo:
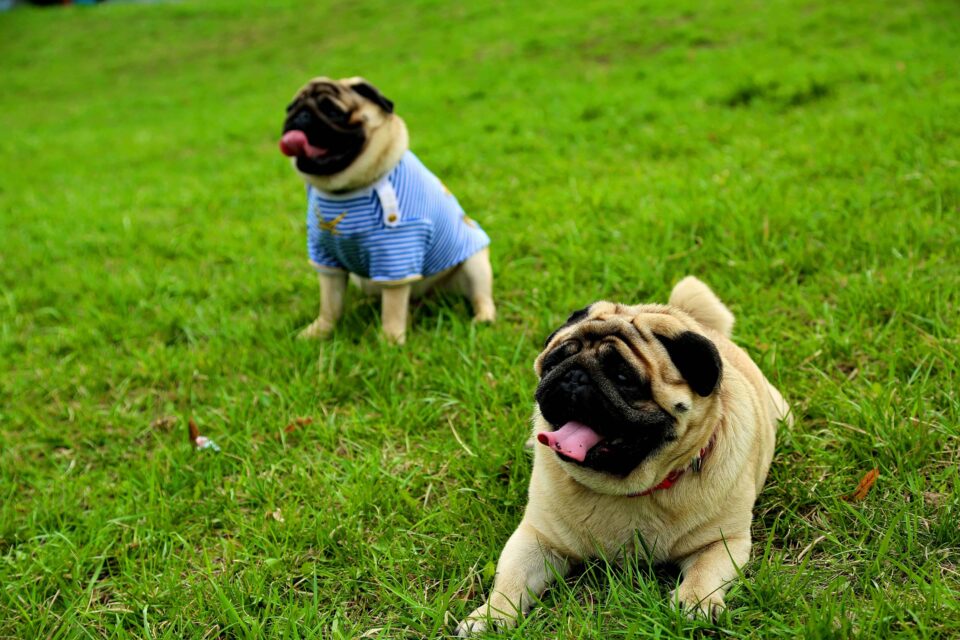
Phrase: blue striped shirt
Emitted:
{"points": [[405, 227]]}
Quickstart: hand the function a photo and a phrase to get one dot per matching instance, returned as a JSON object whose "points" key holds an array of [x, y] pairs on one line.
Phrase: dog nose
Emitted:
{"points": [[303, 119], [577, 386], [576, 377]]}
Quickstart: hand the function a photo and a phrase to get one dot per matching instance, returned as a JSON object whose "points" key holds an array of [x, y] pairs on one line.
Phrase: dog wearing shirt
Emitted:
{"points": [[375, 212]]}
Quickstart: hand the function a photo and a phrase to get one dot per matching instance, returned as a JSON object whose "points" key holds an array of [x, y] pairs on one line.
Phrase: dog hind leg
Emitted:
{"points": [[474, 279]]}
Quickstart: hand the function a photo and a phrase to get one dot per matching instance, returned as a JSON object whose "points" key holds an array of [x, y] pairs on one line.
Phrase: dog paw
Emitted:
{"points": [[483, 619], [470, 627], [687, 600], [485, 318], [316, 330], [484, 311], [395, 337]]}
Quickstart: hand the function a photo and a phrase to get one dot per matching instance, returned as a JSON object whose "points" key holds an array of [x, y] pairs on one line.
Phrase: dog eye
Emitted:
{"points": [[558, 355], [623, 376], [626, 381], [330, 110]]}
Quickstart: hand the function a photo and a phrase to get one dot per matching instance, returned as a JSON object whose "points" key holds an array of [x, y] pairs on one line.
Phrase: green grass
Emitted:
{"points": [[802, 158]]}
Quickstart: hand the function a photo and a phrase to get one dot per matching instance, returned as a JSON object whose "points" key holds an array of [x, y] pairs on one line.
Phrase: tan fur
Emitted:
{"points": [[702, 522], [698, 300], [387, 141]]}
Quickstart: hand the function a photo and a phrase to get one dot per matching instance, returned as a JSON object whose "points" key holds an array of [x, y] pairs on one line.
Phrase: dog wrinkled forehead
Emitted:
{"points": [[656, 330], [604, 316], [634, 323], [594, 318], [316, 89], [349, 93]]}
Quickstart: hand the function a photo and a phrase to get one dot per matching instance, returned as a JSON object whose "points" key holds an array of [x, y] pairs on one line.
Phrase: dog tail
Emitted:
{"points": [[696, 298]]}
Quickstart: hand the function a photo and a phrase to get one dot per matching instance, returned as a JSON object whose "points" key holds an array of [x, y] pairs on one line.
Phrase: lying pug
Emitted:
{"points": [[652, 423], [374, 211]]}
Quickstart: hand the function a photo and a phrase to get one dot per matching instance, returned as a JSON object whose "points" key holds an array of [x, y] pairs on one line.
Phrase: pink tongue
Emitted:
{"points": [[573, 440], [295, 143]]}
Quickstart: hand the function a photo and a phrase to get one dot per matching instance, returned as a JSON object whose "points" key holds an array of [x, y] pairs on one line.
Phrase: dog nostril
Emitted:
{"points": [[302, 120], [576, 378]]}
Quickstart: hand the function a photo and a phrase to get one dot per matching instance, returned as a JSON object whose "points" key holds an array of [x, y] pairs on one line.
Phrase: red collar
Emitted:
{"points": [[695, 465]]}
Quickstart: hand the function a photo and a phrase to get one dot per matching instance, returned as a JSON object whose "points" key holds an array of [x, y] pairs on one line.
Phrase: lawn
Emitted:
{"points": [[803, 158]]}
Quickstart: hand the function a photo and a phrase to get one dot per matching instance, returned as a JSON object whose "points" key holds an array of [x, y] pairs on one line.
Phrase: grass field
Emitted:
{"points": [[801, 157]]}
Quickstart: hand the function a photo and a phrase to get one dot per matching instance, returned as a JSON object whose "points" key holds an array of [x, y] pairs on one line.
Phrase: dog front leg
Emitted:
{"points": [[707, 574], [332, 288], [525, 569], [395, 305]]}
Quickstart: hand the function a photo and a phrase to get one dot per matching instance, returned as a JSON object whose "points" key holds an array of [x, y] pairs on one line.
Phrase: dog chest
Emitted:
{"points": [[403, 227]]}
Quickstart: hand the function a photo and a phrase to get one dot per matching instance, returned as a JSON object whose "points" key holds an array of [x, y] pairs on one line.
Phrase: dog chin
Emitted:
{"points": [[334, 184], [328, 165], [381, 151], [616, 457], [603, 443], [640, 477]]}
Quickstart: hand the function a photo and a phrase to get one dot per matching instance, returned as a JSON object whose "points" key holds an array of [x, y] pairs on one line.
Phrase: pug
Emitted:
{"points": [[375, 211], [652, 426]]}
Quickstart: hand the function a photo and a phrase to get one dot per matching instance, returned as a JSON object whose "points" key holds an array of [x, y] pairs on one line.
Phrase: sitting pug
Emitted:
{"points": [[653, 424], [374, 210]]}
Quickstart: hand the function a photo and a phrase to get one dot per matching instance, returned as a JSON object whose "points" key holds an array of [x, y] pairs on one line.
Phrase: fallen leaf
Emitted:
{"points": [[866, 482], [299, 422], [194, 431]]}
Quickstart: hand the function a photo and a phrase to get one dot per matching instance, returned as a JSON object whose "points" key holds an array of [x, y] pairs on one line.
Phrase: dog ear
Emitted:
{"points": [[697, 360], [371, 93], [575, 317]]}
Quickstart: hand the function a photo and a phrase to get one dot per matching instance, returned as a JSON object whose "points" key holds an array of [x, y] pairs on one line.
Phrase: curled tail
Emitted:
{"points": [[696, 298]]}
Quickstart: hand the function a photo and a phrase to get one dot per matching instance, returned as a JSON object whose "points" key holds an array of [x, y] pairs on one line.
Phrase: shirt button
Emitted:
{"points": [[392, 217]]}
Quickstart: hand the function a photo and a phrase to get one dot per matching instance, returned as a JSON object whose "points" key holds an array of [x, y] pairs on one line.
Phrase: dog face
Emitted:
{"points": [[335, 127], [622, 386]]}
